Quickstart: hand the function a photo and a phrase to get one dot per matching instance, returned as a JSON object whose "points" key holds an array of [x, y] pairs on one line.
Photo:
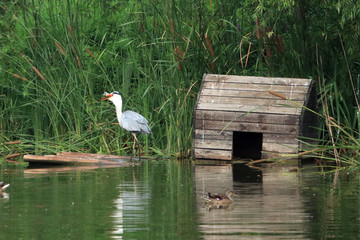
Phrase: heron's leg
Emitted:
{"points": [[135, 139]]}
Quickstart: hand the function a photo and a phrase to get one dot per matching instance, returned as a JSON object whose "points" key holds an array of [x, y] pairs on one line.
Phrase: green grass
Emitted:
{"points": [[58, 57]]}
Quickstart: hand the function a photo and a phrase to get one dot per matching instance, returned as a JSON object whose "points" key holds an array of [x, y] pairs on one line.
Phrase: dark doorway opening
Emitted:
{"points": [[247, 145], [245, 174]]}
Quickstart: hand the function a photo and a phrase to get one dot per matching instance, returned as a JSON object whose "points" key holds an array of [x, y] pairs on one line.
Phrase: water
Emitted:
{"points": [[163, 200]]}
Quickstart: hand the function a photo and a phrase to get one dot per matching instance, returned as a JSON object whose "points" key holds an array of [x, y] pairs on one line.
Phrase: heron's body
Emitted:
{"points": [[128, 120], [133, 122]]}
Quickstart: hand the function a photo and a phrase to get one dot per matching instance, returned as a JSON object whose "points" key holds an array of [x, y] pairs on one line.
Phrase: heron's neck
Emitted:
{"points": [[118, 107]]}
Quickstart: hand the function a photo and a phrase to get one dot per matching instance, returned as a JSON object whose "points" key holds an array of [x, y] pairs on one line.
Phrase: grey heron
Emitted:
{"points": [[128, 120]]}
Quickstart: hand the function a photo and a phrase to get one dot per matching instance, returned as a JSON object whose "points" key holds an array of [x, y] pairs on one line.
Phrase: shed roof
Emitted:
{"points": [[252, 94]]}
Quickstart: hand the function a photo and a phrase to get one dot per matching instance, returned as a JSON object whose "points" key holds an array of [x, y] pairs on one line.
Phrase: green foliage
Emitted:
{"points": [[58, 57]]}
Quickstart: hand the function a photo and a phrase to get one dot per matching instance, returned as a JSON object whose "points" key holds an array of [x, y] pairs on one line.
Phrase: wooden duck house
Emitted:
{"points": [[252, 117]]}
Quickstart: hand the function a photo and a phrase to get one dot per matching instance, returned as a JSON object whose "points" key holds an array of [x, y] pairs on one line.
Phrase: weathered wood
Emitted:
{"points": [[250, 94], [257, 80], [249, 108], [245, 127], [78, 158], [253, 87], [271, 106], [213, 154], [282, 148], [213, 134], [250, 101], [213, 144], [227, 136], [247, 117], [280, 138], [117, 158]]}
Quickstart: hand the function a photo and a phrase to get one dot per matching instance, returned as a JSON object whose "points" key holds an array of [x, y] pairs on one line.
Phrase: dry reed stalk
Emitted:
{"points": [[277, 94], [268, 51], [326, 110], [141, 26], [38, 73], [12, 161], [241, 61], [12, 155], [178, 52], [20, 77], [90, 53], [78, 61], [172, 26], [200, 39], [162, 36], [11, 143], [281, 48], [258, 33], [60, 48], [311, 151], [209, 44], [188, 92], [247, 55], [350, 76]]}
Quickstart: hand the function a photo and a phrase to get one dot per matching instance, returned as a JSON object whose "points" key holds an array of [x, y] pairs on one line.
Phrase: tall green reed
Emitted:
{"points": [[155, 54]]}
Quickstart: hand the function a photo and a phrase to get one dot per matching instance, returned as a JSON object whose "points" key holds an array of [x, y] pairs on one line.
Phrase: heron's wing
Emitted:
{"points": [[134, 122]]}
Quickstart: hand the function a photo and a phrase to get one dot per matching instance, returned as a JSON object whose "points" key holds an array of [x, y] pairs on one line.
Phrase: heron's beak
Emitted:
{"points": [[107, 97]]}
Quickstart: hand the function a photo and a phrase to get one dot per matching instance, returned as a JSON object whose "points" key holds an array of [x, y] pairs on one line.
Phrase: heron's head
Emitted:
{"points": [[114, 97]]}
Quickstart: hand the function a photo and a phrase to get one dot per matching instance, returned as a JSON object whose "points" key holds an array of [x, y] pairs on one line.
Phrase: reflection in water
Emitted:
{"points": [[4, 196], [118, 220], [130, 205], [163, 200], [268, 208]]}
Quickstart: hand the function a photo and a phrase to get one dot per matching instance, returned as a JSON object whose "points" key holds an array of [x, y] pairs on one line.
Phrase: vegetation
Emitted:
{"points": [[58, 57]]}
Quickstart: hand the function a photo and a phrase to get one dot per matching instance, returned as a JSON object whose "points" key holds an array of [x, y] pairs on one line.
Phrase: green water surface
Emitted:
{"points": [[163, 200]]}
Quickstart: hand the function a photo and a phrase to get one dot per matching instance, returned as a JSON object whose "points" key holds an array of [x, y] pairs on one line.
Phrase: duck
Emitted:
{"points": [[3, 186], [219, 199]]}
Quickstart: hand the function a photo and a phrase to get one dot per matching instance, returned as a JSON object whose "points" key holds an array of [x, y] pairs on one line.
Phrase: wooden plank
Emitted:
{"points": [[247, 117], [256, 88], [213, 154], [213, 134], [115, 158], [267, 137], [247, 108], [256, 79], [213, 144], [246, 127], [275, 147], [250, 94], [68, 159], [250, 101], [280, 138]]}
